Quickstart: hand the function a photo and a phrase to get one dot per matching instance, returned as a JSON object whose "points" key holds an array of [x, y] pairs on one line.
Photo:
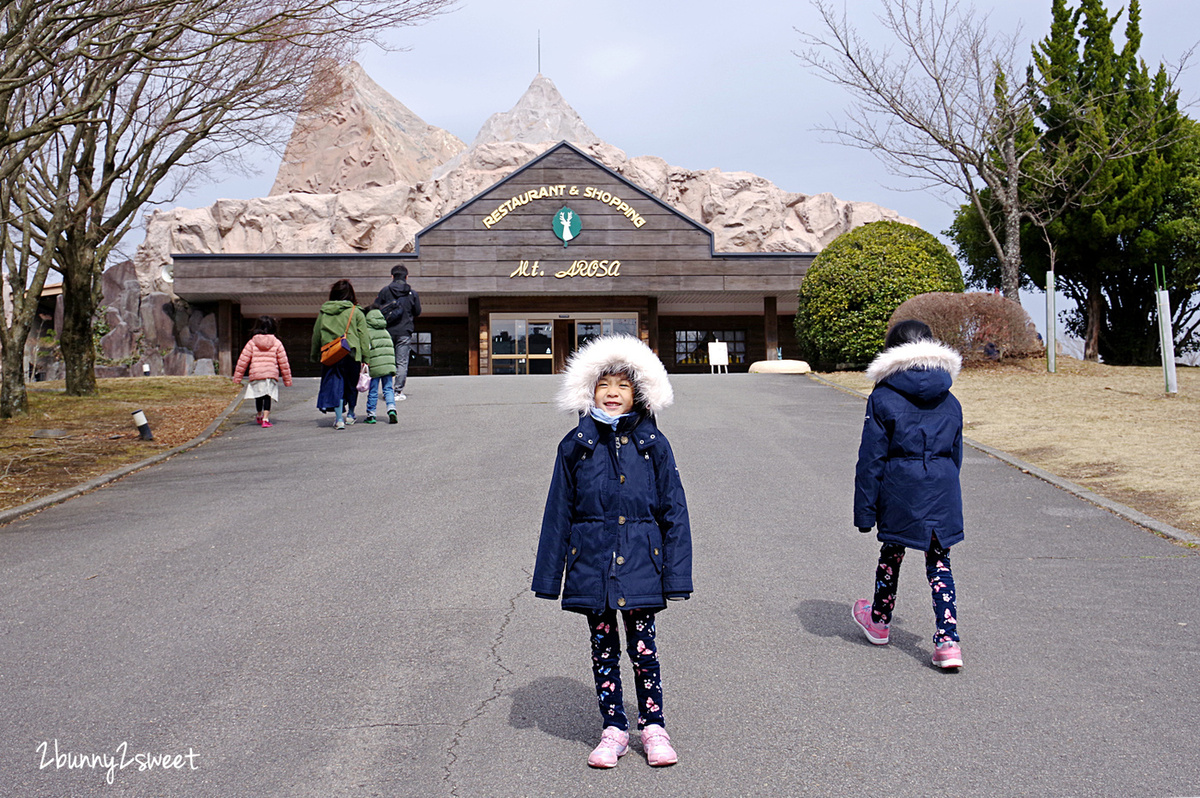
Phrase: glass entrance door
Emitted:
{"points": [[541, 347], [522, 346]]}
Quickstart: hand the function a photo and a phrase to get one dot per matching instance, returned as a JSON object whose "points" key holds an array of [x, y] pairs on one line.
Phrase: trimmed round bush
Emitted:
{"points": [[855, 284]]}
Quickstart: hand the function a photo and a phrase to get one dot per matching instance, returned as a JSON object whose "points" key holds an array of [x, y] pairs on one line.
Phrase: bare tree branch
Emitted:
{"points": [[945, 107], [950, 106], [103, 102]]}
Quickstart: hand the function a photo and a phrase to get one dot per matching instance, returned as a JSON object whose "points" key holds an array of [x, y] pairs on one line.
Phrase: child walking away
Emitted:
{"points": [[381, 360], [267, 362], [616, 522], [907, 480]]}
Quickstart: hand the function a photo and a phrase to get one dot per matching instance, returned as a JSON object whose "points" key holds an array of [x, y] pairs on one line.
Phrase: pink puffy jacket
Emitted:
{"points": [[266, 359]]}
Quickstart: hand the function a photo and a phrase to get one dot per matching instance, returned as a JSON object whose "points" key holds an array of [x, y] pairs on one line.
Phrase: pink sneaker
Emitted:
{"points": [[877, 633], [614, 743], [947, 654], [657, 746], [266, 424]]}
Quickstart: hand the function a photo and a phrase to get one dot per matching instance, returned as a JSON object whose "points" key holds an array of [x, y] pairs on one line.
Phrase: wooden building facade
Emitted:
{"points": [[517, 278]]}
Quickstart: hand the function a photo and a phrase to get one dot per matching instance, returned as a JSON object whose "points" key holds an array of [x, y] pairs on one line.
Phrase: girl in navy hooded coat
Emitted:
{"points": [[907, 481], [616, 522]]}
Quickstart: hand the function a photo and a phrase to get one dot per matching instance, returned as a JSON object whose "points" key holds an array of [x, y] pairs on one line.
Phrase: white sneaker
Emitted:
{"points": [[340, 425], [400, 397], [350, 420]]}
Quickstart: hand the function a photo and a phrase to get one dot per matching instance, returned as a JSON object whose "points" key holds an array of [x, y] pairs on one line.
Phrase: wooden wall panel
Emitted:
{"points": [[450, 339], [787, 338], [752, 326]]}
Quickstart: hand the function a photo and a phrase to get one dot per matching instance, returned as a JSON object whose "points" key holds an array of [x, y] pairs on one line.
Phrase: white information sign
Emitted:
{"points": [[718, 357]]}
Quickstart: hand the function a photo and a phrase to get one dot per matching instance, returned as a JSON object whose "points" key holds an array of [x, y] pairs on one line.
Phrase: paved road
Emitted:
{"points": [[320, 613]]}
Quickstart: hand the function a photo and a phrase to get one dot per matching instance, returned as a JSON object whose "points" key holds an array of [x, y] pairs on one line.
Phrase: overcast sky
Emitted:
{"points": [[701, 84]]}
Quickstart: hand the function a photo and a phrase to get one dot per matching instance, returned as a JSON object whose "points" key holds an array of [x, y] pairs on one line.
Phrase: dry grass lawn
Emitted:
{"points": [[66, 440], [1113, 430]]}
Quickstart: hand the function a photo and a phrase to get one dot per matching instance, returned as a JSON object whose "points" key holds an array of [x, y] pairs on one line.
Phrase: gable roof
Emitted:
{"points": [[565, 145]]}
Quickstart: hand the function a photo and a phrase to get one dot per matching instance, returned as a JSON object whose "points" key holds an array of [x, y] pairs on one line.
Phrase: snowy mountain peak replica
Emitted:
{"points": [[365, 138], [541, 115]]}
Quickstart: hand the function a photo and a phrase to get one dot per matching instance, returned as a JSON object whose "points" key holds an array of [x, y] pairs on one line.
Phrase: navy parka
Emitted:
{"points": [[616, 521], [907, 480]]}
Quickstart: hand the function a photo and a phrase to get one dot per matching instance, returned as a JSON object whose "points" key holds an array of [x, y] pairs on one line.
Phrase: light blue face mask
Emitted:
{"points": [[605, 418]]}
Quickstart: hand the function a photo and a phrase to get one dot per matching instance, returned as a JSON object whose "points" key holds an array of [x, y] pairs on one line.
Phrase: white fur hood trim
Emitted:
{"points": [[611, 353], [917, 355]]}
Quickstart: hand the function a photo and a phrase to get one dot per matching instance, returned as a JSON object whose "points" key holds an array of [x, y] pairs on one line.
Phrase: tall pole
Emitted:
{"points": [[1166, 339], [1051, 323]]}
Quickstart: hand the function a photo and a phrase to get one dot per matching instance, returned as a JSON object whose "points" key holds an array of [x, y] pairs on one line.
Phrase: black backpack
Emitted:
{"points": [[393, 311]]}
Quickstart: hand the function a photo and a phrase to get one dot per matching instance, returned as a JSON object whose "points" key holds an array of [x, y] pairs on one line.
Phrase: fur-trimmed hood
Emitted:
{"points": [[615, 353], [917, 355], [923, 369]]}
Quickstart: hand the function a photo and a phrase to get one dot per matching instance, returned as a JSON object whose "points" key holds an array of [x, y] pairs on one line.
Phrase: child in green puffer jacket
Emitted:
{"points": [[381, 360]]}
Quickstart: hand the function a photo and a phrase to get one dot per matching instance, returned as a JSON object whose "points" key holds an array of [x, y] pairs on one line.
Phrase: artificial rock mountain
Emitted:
{"points": [[367, 174], [364, 138]]}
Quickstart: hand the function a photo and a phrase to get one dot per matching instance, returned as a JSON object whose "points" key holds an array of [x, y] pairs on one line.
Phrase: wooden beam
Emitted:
{"points": [[225, 338], [771, 326], [652, 324], [473, 335]]}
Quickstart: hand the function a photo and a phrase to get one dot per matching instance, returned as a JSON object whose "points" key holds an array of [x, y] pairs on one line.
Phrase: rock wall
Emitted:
{"points": [[151, 327], [746, 213]]}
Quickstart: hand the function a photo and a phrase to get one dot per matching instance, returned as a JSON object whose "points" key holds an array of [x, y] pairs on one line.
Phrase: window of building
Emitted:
{"points": [[422, 350], [587, 330], [691, 346]]}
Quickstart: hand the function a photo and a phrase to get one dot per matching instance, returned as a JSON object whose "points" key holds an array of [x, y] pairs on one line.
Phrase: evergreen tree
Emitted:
{"points": [[1097, 99], [1105, 245]]}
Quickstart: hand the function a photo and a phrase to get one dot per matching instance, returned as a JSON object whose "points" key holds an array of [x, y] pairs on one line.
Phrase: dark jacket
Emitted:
{"points": [[907, 480], [409, 301], [616, 521]]}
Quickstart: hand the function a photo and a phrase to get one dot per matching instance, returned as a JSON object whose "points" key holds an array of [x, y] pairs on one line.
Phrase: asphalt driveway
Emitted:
{"points": [[304, 612]]}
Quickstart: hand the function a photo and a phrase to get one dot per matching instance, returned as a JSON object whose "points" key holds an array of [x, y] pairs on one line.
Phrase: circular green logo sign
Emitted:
{"points": [[566, 225]]}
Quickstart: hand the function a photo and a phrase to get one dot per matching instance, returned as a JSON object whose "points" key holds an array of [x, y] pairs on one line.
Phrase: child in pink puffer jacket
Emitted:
{"points": [[267, 362]]}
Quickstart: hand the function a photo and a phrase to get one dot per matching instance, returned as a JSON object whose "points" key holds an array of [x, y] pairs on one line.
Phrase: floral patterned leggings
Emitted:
{"points": [[606, 666], [941, 582]]}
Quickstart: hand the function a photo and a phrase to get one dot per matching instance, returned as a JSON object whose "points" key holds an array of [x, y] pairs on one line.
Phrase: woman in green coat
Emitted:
{"points": [[340, 316]]}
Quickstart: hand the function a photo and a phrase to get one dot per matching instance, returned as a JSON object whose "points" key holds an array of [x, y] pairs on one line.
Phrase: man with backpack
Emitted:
{"points": [[400, 306]]}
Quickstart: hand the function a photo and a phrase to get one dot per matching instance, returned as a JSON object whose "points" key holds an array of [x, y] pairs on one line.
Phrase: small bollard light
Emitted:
{"points": [[139, 420], [145, 369]]}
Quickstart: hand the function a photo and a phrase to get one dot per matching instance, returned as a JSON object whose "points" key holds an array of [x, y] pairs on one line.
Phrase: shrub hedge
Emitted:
{"points": [[855, 284], [980, 326]]}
